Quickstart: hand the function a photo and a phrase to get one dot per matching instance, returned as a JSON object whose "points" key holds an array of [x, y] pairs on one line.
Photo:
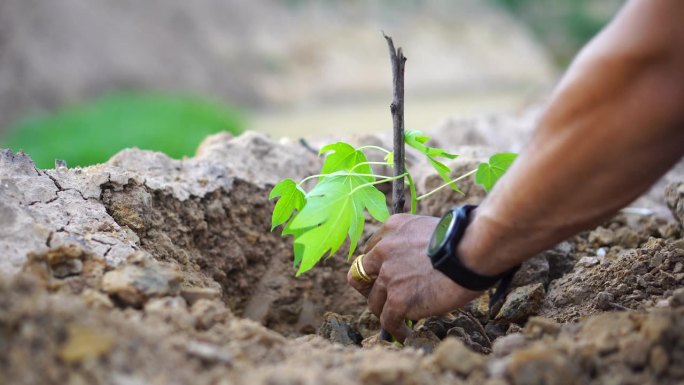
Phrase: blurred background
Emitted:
{"points": [[82, 79]]}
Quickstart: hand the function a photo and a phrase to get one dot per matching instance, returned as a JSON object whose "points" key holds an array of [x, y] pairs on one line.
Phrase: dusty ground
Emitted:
{"points": [[147, 270]]}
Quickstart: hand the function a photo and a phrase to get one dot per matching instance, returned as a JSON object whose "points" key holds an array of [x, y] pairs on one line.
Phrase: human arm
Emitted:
{"points": [[614, 125]]}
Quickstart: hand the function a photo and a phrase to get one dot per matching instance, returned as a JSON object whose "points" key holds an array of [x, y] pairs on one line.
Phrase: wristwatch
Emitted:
{"points": [[442, 252]]}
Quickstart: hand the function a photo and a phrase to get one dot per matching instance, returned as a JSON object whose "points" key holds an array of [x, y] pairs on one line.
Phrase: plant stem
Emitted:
{"points": [[345, 174], [389, 179], [375, 148], [369, 163], [469, 173]]}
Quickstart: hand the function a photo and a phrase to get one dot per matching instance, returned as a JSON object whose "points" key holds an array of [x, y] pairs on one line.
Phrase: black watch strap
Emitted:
{"points": [[450, 264]]}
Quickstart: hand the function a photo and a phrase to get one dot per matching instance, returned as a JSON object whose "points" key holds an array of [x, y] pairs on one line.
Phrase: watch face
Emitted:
{"points": [[440, 235]]}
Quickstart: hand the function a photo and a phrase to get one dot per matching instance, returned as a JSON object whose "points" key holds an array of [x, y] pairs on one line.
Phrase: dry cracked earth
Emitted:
{"points": [[149, 270]]}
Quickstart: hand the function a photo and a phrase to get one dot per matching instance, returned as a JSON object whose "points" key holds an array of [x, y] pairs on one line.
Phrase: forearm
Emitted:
{"points": [[613, 127]]}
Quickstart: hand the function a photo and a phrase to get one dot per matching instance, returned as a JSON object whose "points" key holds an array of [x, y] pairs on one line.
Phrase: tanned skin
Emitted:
{"points": [[613, 126]]}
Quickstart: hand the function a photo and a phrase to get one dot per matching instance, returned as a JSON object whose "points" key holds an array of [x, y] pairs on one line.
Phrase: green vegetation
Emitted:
{"points": [[334, 209], [91, 133]]}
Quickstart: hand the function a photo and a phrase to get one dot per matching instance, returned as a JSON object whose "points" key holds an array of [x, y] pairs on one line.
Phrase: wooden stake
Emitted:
{"points": [[397, 60]]}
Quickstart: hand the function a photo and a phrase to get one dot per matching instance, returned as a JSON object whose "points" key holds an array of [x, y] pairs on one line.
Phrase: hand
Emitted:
{"points": [[405, 285]]}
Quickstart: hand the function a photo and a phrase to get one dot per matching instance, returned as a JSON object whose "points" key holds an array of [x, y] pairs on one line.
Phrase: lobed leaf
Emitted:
{"points": [[291, 199], [344, 157], [334, 211], [417, 140], [489, 173]]}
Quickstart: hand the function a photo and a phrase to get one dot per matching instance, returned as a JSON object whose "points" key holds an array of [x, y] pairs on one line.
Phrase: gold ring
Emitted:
{"points": [[358, 272]]}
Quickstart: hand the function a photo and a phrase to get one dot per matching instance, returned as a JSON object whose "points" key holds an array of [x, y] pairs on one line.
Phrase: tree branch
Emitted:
{"points": [[397, 60]]}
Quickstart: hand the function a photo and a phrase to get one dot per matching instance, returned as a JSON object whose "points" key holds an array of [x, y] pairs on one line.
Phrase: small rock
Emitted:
{"points": [[602, 237], [96, 299], [423, 339], [521, 303], [507, 344], [513, 329], [496, 329], [172, 310], [134, 285], [601, 253], [677, 297], [588, 261], [663, 303], [84, 342], [339, 329], [534, 270], [479, 308], [679, 267], [375, 340], [62, 261], [674, 197], [537, 327], [560, 259], [476, 341], [604, 300], [538, 365], [440, 325], [453, 355], [209, 313], [627, 237], [194, 294], [209, 353], [368, 323]]}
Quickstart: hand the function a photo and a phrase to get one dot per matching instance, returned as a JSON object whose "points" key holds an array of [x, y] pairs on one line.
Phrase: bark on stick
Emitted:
{"points": [[397, 60]]}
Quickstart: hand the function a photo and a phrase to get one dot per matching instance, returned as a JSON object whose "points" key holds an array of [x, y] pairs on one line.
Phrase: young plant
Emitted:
{"points": [[333, 210]]}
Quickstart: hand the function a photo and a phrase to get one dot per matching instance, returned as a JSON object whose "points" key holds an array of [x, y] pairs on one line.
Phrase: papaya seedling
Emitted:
{"points": [[334, 208]]}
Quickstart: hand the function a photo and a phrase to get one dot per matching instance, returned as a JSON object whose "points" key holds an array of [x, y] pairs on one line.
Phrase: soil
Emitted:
{"points": [[148, 270]]}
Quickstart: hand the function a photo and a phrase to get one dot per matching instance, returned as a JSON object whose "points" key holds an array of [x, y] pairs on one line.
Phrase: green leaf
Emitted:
{"points": [[334, 211], [489, 173], [291, 198], [417, 139], [344, 157]]}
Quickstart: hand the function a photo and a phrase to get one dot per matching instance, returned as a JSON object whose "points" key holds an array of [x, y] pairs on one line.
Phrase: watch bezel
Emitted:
{"points": [[443, 246]]}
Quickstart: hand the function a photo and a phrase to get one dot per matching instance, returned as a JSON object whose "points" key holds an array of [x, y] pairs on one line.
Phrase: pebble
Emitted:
{"points": [[134, 285], [521, 303], [537, 327], [507, 344], [209, 353], [604, 300], [84, 342], [677, 297], [209, 313], [339, 329], [475, 341], [194, 294], [602, 237], [423, 340], [537, 365], [588, 261], [454, 356], [534, 270]]}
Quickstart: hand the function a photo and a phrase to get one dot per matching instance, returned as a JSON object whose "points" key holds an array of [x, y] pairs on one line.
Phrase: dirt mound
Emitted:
{"points": [[151, 270]]}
